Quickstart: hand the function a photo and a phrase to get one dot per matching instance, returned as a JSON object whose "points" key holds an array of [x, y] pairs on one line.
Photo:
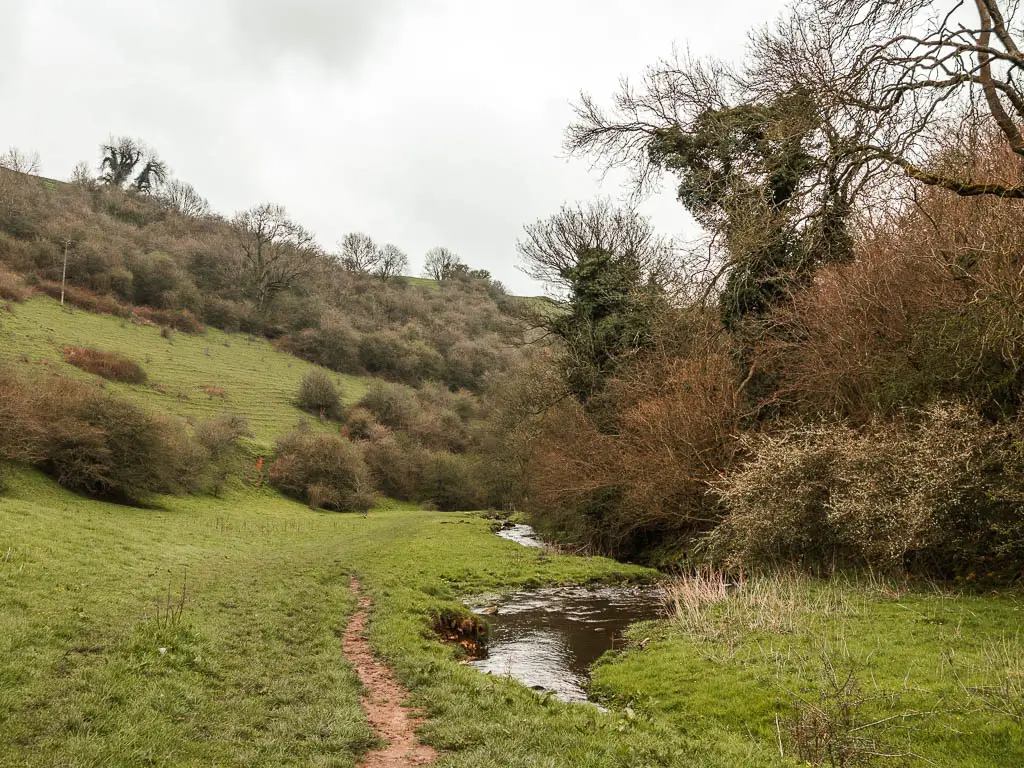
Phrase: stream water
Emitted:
{"points": [[549, 638]]}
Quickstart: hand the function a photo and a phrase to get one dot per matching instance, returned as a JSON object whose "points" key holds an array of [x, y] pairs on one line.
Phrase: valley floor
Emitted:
{"points": [[209, 632]]}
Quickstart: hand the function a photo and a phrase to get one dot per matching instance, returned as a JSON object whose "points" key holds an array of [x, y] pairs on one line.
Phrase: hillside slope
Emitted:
{"points": [[258, 382]]}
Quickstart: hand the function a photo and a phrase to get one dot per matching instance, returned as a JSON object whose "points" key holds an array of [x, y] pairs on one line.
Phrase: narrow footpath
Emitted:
{"points": [[384, 698]]}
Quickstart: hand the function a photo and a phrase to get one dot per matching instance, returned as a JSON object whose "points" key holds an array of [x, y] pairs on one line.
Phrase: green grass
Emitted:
{"points": [[423, 282], [920, 673], [253, 672], [259, 382]]}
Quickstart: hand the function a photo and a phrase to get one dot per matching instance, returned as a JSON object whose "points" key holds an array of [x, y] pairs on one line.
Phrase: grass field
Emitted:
{"points": [[259, 382], [251, 671]]}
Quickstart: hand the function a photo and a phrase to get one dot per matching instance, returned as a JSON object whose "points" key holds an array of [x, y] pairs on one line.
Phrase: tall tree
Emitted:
{"points": [[762, 159], [611, 272], [931, 75], [276, 251]]}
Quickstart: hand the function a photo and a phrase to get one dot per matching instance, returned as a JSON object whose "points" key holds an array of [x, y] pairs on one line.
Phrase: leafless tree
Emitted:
{"points": [[276, 251], [933, 75], [15, 159], [183, 198], [393, 262], [556, 250], [359, 253], [81, 175], [441, 263]]}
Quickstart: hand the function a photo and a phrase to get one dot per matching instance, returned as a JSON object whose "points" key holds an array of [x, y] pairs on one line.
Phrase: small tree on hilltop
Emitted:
{"points": [[276, 251], [15, 159], [443, 264], [359, 253], [183, 198], [393, 262]]}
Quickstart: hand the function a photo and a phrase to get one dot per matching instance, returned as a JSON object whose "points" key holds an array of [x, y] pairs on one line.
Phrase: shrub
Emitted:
{"points": [[393, 405], [224, 314], [934, 490], [334, 345], [92, 442], [393, 355], [220, 434], [13, 288], [182, 320], [632, 470], [325, 471], [451, 482], [360, 423], [110, 365], [318, 395], [83, 298], [395, 463]]}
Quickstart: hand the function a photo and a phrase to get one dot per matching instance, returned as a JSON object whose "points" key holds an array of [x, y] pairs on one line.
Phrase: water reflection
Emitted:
{"points": [[549, 638], [520, 534]]}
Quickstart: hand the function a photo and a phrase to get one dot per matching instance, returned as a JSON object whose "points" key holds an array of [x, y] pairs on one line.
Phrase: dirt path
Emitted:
{"points": [[383, 699]]}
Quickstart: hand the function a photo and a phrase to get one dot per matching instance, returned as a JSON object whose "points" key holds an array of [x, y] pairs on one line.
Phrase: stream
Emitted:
{"points": [[549, 638]]}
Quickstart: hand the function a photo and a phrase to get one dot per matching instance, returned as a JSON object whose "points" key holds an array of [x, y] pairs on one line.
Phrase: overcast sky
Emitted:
{"points": [[421, 122]]}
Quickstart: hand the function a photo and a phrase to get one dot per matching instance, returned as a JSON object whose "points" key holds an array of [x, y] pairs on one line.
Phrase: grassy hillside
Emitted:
{"points": [[259, 382]]}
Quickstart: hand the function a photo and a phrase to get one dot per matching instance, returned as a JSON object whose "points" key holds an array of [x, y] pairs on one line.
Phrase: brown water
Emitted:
{"points": [[549, 638]]}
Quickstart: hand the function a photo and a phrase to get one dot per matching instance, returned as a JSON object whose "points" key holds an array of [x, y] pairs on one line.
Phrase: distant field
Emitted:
{"points": [[423, 282], [259, 382]]}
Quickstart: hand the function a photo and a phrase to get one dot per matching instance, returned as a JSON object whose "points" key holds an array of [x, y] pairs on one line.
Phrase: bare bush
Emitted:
{"points": [[929, 491], [92, 442], [21, 161], [322, 470], [112, 366], [318, 395], [13, 288]]}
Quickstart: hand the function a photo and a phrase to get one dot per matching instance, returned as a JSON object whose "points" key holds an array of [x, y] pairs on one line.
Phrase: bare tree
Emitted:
{"points": [[932, 75], [556, 250], [183, 198], [15, 159], [276, 251], [441, 263], [359, 253], [81, 175], [393, 262]]}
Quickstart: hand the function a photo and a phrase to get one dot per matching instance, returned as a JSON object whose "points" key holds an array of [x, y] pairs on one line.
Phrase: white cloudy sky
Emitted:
{"points": [[422, 122]]}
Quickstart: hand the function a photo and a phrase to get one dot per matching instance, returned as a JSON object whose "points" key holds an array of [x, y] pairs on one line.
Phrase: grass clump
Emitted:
{"points": [[110, 365]]}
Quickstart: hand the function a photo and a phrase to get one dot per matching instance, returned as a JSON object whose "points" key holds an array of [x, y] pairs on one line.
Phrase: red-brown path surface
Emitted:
{"points": [[384, 698]]}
